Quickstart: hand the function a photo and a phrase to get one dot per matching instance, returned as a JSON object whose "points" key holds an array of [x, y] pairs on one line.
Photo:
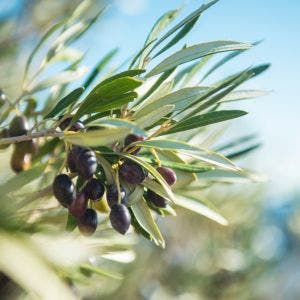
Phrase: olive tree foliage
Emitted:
{"points": [[165, 100]]}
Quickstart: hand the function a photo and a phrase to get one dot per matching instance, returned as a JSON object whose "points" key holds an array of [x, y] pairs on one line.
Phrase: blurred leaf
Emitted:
{"points": [[187, 20], [238, 154], [40, 43], [191, 53], [154, 116], [237, 142], [243, 94], [95, 138], [65, 102], [58, 79], [19, 260], [144, 217], [200, 208], [120, 123], [24, 178], [99, 271], [205, 119], [101, 64]]}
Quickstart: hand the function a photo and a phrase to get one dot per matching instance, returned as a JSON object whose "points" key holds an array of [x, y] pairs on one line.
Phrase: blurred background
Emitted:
{"points": [[258, 254]]}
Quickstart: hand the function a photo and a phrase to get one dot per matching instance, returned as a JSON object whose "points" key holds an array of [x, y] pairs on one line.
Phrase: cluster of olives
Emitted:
{"points": [[22, 152], [83, 162]]}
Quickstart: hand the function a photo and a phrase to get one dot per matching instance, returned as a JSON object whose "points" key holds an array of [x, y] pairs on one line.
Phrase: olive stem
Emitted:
{"points": [[23, 138]]}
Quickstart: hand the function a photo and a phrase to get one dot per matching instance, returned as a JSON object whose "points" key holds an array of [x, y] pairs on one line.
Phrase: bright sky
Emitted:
{"points": [[276, 116]]}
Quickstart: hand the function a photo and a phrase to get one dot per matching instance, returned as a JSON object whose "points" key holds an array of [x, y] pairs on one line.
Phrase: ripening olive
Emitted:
{"points": [[78, 207], [168, 174], [20, 161]]}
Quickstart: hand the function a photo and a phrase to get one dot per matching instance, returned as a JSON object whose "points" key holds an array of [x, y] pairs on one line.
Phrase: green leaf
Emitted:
{"points": [[158, 27], [65, 102], [58, 79], [200, 208], [144, 217], [120, 123], [189, 168], [97, 270], [205, 119], [156, 85], [136, 195], [71, 223], [204, 155], [180, 35], [180, 99], [98, 68], [225, 59], [154, 116], [191, 53], [93, 138], [108, 96], [128, 73], [244, 151], [187, 20], [22, 179]]}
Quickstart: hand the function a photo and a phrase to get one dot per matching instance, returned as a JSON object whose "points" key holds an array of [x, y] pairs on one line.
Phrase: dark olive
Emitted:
{"points": [[64, 189], [86, 164], [156, 199], [78, 125], [94, 189], [120, 218], [132, 173], [112, 195], [87, 224], [132, 138]]}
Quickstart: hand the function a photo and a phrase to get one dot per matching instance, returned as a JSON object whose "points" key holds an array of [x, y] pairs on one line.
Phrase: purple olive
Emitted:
{"points": [[168, 174], [94, 189], [120, 218], [132, 173], [64, 189], [87, 224]]}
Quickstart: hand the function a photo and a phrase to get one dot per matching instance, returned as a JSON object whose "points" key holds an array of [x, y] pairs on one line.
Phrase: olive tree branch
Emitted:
{"points": [[23, 138]]}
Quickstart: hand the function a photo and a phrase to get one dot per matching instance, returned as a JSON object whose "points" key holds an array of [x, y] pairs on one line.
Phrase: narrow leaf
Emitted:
{"points": [[191, 53], [65, 102], [144, 217]]}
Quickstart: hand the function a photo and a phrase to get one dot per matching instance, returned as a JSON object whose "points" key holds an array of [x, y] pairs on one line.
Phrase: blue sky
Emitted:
{"points": [[276, 116]]}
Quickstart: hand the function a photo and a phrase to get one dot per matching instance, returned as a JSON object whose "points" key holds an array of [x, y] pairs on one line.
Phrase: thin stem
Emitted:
{"points": [[23, 138]]}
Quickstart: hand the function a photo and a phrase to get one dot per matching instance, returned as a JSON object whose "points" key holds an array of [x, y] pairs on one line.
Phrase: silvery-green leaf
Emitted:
{"points": [[200, 208], [243, 94], [154, 116], [193, 52], [93, 138], [136, 195], [145, 219]]}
